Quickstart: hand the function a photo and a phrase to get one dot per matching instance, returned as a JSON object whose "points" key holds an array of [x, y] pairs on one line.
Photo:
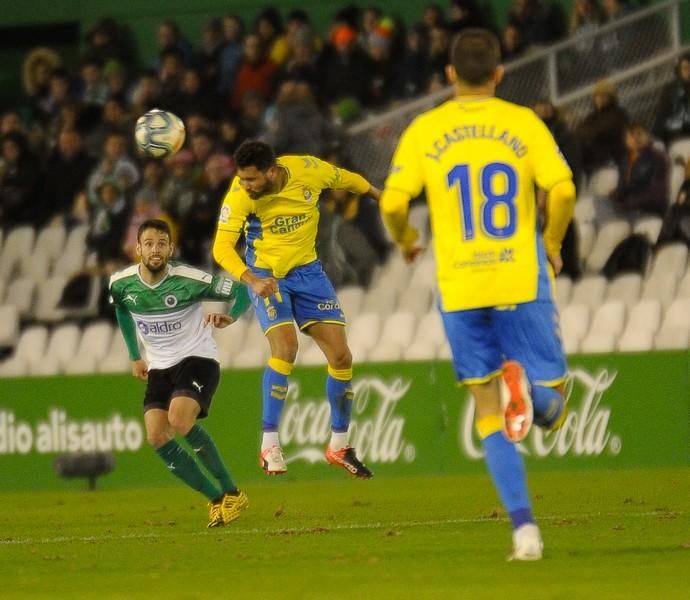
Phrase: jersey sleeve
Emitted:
{"points": [[336, 178], [406, 174], [235, 208], [222, 288], [125, 322], [549, 165]]}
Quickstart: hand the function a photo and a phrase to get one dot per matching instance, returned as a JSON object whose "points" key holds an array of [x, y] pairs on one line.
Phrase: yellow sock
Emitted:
{"points": [[488, 425]]}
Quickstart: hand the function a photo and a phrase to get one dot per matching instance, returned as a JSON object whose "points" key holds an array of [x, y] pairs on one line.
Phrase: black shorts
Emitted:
{"points": [[194, 377]]}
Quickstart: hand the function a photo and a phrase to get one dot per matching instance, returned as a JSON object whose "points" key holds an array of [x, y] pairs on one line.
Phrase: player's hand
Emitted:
{"points": [[140, 369], [264, 286], [556, 263], [411, 253], [219, 320]]}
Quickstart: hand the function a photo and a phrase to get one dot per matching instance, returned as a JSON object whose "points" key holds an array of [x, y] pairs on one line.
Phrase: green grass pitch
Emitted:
{"points": [[608, 534]]}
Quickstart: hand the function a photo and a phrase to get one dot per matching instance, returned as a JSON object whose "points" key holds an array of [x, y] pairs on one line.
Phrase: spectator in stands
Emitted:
{"points": [[202, 144], [170, 38], [676, 224], [463, 14], [108, 222], [230, 134], [93, 88], [269, 26], [256, 72], [673, 114], [37, 68], [432, 16], [303, 58], [512, 43], [207, 58], [193, 96], [20, 183], [179, 191], [114, 118], [196, 233], [344, 68], [296, 125], [66, 170], [585, 16], [58, 93], [252, 117], [567, 142], [413, 71], [115, 78], [170, 74], [601, 133], [115, 164], [642, 180], [439, 46], [540, 21], [107, 41], [11, 122], [231, 53], [384, 81], [146, 93]]}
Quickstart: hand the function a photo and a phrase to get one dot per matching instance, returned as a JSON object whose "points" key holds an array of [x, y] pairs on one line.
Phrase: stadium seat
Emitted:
{"points": [[62, 346], [251, 357], [365, 329], [596, 343], [649, 227], [587, 233], [380, 299], [254, 337], [680, 150], [51, 241], [430, 330], [81, 365], [351, 298], [422, 350], [20, 292], [72, 259], [50, 365], [684, 286], [90, 308], [398, 328], [677, 315], [444, 352], [608, 318], [670, 259], [610, 235], [672, 339], [36, 266], [603, 181], [311, 354], [386, 351], [418, 218], [675, 181], [636, 340], [18, 244], [48, 295], [230, 341], [626, 288], [424, 275], [644, 316], [564, 286], [117, 358], [394, 275], [9, 325], [574, 322], [14, 367], [584, 210], [589, 290], [661, 288], [416, 301], [305, 345], [359, 352], [96, 340], [32, 344]]}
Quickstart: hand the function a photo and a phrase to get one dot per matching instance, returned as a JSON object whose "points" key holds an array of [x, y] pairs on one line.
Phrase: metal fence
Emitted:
{"points": [[637, 51]]}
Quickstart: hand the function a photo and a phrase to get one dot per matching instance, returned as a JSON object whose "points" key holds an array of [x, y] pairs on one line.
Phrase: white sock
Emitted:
{"points": [[270, 438], [338, 440]]}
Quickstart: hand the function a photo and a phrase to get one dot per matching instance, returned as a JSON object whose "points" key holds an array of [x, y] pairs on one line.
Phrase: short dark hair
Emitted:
{"points": [[253, 153], [156, 224], [475, 54]]}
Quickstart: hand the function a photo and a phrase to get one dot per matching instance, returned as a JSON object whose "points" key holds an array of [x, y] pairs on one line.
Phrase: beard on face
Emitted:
{"points": [[156, 268]]}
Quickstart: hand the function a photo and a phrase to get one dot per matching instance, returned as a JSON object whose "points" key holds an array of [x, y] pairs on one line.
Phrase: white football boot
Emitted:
{"points": [[272, 461], [527, 543]]}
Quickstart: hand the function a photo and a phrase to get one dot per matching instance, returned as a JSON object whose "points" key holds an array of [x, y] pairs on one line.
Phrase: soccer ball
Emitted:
{"points": [[159, 133]]}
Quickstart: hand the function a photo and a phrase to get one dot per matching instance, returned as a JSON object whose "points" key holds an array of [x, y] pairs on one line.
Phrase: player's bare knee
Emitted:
{"points": [[181, 423], [286, 350], [340, 358], [158, 438]]}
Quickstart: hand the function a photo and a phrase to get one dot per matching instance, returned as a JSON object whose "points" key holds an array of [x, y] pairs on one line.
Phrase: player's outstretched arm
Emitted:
{"points": [[560, 205], [394, 209]]}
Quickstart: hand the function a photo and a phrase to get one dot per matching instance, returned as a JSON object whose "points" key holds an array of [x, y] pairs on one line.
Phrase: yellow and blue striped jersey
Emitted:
{"points": [[281, 228], [480, 160]]}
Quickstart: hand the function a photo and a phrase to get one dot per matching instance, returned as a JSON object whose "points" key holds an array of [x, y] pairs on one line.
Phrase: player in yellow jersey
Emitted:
{"points": [[480, 159], [274, 201]]}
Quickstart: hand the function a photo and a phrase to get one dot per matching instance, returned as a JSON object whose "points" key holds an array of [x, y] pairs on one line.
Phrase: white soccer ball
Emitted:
{"points": [[159, 133]]}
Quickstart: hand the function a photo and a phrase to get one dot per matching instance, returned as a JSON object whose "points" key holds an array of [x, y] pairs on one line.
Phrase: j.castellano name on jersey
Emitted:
{"points": [[476, 132], [168, 316]]}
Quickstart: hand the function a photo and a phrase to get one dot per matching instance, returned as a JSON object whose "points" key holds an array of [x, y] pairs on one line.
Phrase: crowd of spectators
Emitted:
{"points": [[66, 155]]}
